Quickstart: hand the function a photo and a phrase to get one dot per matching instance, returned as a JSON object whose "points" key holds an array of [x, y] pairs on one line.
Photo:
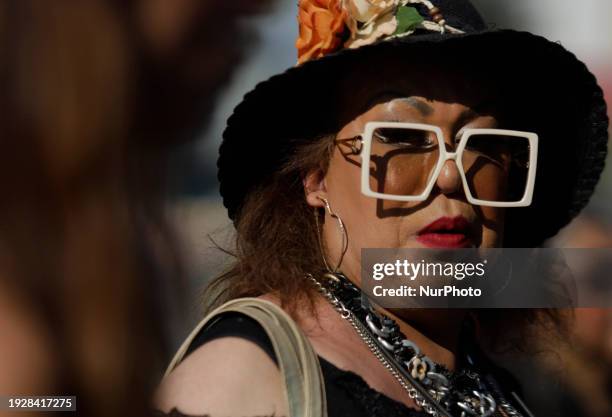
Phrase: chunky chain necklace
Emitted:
{"points": [[434, 388]]}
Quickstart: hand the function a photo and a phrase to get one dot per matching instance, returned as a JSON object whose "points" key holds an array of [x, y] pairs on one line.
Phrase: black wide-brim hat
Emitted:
{"points": [[552, 91]]}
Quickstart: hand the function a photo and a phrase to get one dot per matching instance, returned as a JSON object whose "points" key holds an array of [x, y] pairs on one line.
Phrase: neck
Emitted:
{"points": [[435, 331]]}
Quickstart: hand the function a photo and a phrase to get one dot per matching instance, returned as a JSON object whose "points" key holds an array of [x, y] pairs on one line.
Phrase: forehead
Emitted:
{"points": [[392, 79], [420, 109]]}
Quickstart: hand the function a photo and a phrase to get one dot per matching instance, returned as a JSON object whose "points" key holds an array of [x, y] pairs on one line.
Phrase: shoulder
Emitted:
{"points": [[226, 376]]}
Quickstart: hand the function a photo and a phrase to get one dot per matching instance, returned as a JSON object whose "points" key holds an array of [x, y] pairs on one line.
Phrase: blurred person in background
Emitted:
{"points": [[95, 94]]}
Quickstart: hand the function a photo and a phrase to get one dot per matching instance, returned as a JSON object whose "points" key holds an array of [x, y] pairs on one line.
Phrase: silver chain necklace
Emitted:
{"points": [[431, 386]]}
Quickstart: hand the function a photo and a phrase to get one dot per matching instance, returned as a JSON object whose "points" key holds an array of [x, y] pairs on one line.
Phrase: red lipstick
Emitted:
{"points": [[446, 232]]}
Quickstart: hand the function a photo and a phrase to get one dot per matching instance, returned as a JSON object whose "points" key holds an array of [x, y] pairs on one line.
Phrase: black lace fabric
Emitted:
{"points": [[349, 395], [174, 413]]}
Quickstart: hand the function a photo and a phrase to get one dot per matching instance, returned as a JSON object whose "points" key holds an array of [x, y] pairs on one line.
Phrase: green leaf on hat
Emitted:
{"points": [[408, 18]]}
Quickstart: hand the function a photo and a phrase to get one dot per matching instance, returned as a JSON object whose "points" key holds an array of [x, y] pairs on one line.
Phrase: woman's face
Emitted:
{"points": [[445, 219]]}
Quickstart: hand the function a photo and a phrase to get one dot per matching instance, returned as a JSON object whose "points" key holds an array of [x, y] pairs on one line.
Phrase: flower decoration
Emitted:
{"points": [[321, 23], [370, 20], [364, 10], [324, 24]]}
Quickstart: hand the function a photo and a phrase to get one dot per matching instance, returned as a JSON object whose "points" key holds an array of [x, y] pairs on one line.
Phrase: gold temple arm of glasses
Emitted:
{"points": [[353, 143]]}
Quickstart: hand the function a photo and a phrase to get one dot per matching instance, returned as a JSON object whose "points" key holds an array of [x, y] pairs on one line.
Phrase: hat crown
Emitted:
{"points": [[326, 26]]}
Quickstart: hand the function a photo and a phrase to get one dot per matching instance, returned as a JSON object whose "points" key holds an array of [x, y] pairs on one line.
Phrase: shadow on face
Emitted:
{"points": [[447, 97]]}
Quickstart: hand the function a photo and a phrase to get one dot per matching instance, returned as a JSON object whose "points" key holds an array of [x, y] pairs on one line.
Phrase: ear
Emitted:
{"points": [[315, 188]]}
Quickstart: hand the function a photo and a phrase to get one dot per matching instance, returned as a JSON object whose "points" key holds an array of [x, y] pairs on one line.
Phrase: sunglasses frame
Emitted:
{"points": [[444, 156]]}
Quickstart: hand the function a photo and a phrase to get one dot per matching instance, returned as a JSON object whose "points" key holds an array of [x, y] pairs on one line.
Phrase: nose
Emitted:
{"points": [[449, 180]]}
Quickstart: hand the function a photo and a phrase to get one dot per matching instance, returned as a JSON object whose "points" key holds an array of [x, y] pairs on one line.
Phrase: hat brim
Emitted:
{"points": [[561, 96]]}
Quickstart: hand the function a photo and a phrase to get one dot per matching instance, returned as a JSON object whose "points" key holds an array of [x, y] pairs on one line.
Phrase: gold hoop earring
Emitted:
{"points": [[342, 231]]}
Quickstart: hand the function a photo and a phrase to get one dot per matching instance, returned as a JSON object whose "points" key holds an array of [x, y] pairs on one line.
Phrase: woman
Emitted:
{"points": [[364, 132]]}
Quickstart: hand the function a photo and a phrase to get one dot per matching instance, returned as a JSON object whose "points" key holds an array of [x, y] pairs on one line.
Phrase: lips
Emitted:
{"points": [[446, 232]]}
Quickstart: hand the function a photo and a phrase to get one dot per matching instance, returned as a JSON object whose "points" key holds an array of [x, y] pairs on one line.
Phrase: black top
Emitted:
{"points": [[348, 395]]}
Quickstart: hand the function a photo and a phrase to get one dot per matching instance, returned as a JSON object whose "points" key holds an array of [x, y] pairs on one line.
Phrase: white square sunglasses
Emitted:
{"points": [[444, 155]]}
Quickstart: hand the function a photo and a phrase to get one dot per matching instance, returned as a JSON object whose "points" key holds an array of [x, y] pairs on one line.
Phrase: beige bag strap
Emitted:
{"points": [[299, 365]]}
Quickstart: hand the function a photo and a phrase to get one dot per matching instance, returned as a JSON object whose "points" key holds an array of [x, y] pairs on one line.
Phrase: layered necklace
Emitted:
{"points": [[433, 387]]}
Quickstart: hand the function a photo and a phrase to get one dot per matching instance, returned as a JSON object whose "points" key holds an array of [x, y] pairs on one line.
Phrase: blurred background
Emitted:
{"points": [[95, 97]]}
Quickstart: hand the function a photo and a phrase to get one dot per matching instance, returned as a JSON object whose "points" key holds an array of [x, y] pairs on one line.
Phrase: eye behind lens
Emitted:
{"points": [[405, 138]]}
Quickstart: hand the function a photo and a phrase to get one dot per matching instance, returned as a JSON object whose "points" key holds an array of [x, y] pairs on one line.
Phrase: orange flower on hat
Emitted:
{"points": [[321, 24]]}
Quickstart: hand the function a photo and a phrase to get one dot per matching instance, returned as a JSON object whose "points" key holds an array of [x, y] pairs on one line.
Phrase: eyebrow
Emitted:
{"points": [[477, 110], [423, 108]]}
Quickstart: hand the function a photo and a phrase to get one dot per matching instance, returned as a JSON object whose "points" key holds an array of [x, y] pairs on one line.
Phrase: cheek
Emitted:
{"points": [[402, 174], [357, 211], [489, 182], [492, 219], [343, 186]]}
